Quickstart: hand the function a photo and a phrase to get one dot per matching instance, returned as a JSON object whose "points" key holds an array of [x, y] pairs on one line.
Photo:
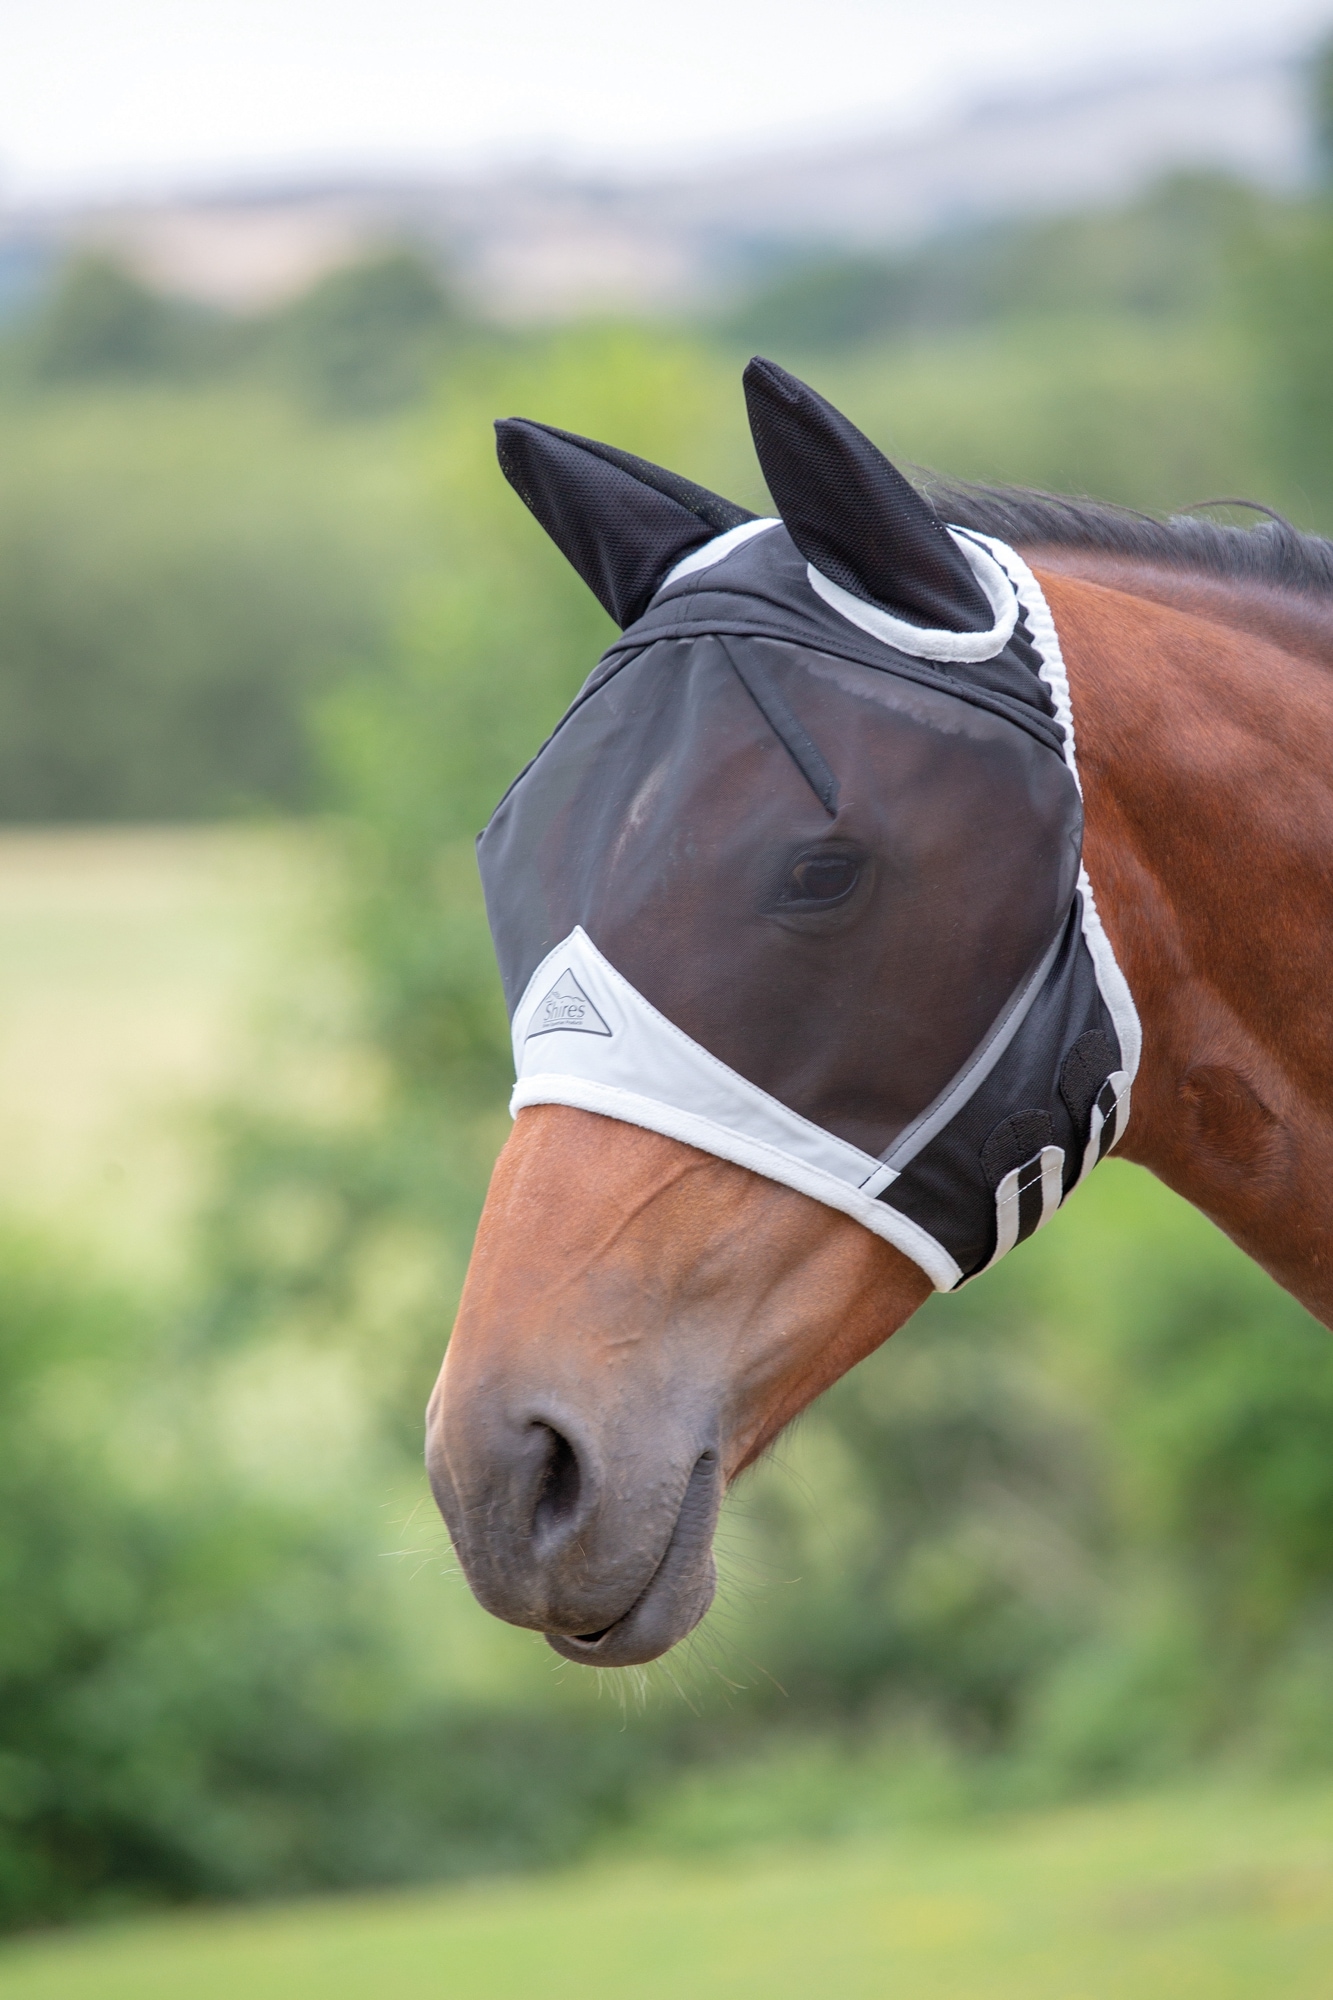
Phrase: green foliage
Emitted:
{"points": [[179, 577], [1167, 257], [1148, 416], [207, 1682], [101, 324], [1207, 1394], [190, 554], [369, 338], [187, 563], [971, 1490], [1286, 302]]}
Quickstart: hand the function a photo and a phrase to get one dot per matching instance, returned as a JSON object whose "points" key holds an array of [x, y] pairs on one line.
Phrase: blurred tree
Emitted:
{"points": [[369, 338], [178, 579], [207, 1684], [100, 323], [1285, 280], [1164, 257], [972, 1523]]}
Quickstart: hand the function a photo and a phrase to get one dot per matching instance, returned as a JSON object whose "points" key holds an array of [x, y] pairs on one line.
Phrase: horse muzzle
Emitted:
{"points": [[586, 1531], [639, 1321]]}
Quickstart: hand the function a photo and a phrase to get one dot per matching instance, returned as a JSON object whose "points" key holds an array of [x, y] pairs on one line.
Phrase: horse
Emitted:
{"points": [[642, 1317]]}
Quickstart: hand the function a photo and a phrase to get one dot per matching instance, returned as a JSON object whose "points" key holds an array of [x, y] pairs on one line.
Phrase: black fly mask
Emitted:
{"points": [[797, 879]]}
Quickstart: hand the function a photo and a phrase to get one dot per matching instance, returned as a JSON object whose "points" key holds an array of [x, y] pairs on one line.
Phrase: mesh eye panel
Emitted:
{"points": [[851, 513], [622, 522]]}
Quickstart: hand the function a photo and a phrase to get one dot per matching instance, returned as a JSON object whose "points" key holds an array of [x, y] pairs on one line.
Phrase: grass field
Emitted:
{"points": [[131, 963], [1211, 1895]]}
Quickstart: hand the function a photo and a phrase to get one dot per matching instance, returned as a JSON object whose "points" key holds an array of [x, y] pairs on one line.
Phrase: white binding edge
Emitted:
{"points": [[1050, 1165], [644, 1053], [1114, 986], [742, 1123], [928, 642], [586, 1095], [720, 547], [1117, 1117]]}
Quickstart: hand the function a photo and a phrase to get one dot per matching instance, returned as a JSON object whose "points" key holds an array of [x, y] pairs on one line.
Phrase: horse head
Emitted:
{"points": [[810, 1007]]}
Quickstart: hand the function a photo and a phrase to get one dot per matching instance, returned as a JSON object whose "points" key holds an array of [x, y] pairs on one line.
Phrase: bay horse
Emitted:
{"points": [[641, 1318]]}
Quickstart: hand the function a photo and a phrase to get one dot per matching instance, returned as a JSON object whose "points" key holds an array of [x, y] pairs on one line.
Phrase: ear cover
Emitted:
{"points": [[622, 522], [852, 514]]}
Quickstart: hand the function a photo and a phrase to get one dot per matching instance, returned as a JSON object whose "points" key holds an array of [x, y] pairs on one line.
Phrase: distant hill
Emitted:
{"points": [[541, 244]]}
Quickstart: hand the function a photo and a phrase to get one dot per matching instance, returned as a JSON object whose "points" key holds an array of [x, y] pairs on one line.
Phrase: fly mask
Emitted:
{"points": [[797, 879]]}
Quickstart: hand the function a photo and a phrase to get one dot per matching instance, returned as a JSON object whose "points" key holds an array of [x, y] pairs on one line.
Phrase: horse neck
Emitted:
{"points": [[1205, 751]]}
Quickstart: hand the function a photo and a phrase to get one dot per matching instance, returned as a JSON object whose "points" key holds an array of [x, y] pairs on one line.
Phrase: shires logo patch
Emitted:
{"points": [[566, 1009]]}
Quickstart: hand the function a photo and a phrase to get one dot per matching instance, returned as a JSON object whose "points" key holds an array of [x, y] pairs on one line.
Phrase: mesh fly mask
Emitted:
{"points": [[797, 879]]}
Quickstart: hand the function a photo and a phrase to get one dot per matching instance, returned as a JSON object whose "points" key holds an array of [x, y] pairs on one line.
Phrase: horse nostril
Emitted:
{"points": [[558, 1494]]}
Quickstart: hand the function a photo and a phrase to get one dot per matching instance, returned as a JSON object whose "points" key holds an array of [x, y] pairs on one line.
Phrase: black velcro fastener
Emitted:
{"points": [[1084, 1071], [805, 753], [1014, 1142]]}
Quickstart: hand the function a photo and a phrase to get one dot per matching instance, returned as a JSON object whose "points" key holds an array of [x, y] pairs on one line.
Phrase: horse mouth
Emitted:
{"points": [[675, 1597]]}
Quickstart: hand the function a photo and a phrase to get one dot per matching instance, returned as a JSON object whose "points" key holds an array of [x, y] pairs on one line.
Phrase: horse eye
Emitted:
{"points": [[822, 878]]}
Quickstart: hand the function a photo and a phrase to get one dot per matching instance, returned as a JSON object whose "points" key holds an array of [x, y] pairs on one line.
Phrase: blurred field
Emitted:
{"points": [[132, 961], [1215, 1893]]}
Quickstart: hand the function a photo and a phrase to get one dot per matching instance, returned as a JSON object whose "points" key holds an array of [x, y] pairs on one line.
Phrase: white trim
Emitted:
{"points": [[1052, 1182], [586, 1095], [1114, 986], [882, 1177], [720, 547], [1050, 1163], [1044, 637], [1119, 1114], [646, 1055], [932, 642], [648, 1072]]}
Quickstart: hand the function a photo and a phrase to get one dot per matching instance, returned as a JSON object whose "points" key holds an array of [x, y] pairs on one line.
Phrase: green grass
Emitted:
{"points": [[131, 963], [1218, 1893]]}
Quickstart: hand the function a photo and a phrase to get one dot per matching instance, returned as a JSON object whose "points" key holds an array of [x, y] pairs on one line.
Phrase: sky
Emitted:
{"points": [[109, 95]]}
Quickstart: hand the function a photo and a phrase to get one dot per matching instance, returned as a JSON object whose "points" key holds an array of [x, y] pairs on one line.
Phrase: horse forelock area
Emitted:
{"points": [[1272, 553]]}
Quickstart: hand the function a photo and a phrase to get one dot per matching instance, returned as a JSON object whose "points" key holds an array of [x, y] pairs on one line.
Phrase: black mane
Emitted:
{"points": [[1273, 552]]}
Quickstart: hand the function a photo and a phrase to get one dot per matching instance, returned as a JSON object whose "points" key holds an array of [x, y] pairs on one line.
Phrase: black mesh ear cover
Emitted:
{"points": [[622, 522], [851, 513]]}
